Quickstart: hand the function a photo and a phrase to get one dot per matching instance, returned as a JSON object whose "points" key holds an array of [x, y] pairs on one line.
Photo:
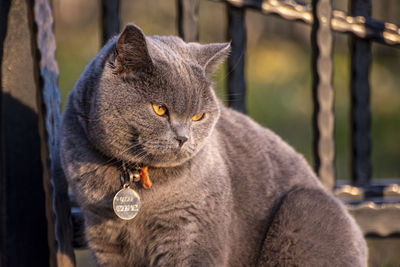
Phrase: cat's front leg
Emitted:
{"points": [[311, 228], [108, 259], [106, 240]]}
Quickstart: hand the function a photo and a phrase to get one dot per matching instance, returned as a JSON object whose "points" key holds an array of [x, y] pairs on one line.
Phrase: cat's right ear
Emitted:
{"points": [[132, 54]]}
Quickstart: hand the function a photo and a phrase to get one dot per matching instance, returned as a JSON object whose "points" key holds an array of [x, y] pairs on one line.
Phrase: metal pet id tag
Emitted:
{"points": [[126, 203]]}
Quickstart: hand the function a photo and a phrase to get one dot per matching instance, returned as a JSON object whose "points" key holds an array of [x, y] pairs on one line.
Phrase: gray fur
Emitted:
{"points": [[234, 194]]}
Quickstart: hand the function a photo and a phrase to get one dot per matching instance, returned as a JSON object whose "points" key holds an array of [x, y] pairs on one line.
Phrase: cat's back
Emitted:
{"points": [[266, 158]]}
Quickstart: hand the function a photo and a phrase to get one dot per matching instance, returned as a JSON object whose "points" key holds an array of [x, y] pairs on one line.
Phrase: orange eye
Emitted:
{"points": [[159, 109], [198, 117]]}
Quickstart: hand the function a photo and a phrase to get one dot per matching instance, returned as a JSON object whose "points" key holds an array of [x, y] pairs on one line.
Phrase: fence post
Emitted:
{"points": [[24, 229], [188, 20], [360, 100], [60, 230], [110, 19], [323, 93], [236, 61]]}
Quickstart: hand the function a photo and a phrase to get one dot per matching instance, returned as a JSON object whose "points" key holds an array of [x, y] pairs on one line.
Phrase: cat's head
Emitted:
{"points": [[154, 103]]}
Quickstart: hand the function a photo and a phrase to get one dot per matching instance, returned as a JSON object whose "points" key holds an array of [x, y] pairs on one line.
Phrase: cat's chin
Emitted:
{"points": [[167, 161], [164, 160], [167, 164]]}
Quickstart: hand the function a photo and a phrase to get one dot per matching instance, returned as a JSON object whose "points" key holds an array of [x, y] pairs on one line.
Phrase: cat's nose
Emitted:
{"points": [[181, 139]]}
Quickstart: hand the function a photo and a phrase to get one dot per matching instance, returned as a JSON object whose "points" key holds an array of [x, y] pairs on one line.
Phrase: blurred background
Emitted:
{"points": [[278, 69]]}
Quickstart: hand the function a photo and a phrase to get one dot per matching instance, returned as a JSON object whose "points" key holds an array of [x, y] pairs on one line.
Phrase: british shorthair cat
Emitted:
{"points": [[166, 175]]}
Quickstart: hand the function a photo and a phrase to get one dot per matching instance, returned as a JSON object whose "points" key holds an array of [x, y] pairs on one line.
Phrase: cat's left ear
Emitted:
{"points": [[131, 49], [212, 55]]}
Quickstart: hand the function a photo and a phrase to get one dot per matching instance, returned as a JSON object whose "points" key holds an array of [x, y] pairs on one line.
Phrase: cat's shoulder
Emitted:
{"points": [[240, 133], [241, 128]]}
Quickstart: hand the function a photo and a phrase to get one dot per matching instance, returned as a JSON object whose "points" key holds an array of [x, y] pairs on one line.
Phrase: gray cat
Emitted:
{"points": [[225, 191]]}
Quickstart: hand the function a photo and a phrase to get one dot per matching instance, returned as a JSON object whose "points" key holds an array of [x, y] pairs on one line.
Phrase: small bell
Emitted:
{"points": [[135, 176]]}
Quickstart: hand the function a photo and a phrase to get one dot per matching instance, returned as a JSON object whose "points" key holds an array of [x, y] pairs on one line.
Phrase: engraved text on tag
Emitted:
{"points": [[126, 203]]}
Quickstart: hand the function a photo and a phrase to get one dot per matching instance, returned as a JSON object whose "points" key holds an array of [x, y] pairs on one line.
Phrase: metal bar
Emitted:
{"points": [[79, 228], [384, 190], [360, 26], [188, 20], [24, 232], [4, 11], [236, 61], [361, 58], [377, 219], [58, 209], [323, 93], [110, 19]]}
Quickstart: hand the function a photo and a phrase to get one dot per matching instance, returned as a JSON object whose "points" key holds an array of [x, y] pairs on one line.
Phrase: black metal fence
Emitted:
{"points": [[36, 223]]}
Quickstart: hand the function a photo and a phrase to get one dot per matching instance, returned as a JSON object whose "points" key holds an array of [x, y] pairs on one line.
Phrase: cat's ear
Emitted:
{"points": [[132, 54], [212, 55]]}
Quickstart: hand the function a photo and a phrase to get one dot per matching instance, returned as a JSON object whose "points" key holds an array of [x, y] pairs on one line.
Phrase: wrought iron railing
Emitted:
{"points": [[33, 190]]}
